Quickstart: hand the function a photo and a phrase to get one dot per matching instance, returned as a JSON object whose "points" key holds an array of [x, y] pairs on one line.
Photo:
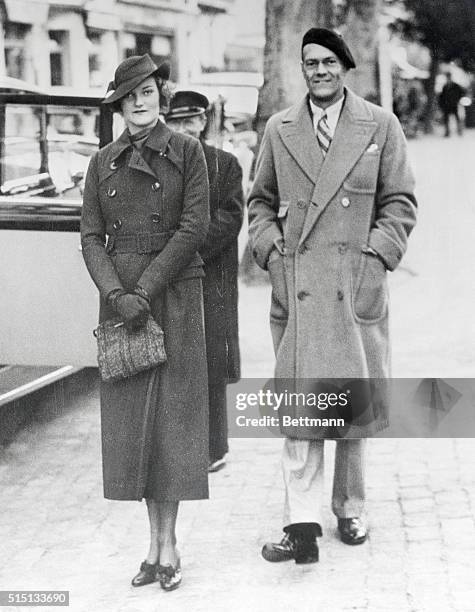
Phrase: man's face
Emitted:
{"points": [[324, 74], [191, 126]]}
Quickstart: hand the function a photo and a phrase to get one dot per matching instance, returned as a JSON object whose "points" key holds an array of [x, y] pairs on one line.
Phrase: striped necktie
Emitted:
{"points": [[323, 134]]}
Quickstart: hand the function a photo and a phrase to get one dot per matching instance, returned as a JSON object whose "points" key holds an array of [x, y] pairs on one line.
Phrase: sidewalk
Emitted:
{"points": [[57, 531]]}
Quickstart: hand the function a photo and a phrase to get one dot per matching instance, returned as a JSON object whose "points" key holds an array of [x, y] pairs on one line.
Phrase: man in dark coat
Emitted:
{"points": [[449, 100], [330, 211], [187, 114]]}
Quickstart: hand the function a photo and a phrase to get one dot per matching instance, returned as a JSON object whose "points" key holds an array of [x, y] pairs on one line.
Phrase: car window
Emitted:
{"points": [[45, 149]]}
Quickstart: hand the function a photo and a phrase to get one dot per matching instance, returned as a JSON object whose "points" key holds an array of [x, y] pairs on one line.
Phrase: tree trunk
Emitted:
{"points": [[360, 32], [286, 23], [429, 85]]}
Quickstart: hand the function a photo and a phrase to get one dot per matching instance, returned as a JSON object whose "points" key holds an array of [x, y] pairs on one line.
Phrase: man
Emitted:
{"points": [[449, 100], [330, 211], [187, 114]]}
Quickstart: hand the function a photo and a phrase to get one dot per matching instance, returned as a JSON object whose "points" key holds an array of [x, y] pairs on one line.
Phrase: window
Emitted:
{"points": [[159, 46], [94, 41], [45, 150], [15, 54], [59, 57]]}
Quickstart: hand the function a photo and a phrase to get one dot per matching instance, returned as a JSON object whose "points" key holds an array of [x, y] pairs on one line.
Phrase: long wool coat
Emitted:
{"points": [[329, 311], [154, 424], [220, 255]]}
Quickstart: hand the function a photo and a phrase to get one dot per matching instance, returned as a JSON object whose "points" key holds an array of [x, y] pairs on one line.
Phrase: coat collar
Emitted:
{"points": [[298, 136], [160, 141], [355, 127], [353, 134], [157, 140]]}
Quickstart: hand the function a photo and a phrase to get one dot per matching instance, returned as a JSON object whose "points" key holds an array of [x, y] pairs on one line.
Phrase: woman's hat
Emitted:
{"points": [[187, 104], [130, 73]]}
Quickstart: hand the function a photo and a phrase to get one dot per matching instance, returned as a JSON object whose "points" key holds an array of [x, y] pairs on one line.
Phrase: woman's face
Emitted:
{"points": [[141, 107]]}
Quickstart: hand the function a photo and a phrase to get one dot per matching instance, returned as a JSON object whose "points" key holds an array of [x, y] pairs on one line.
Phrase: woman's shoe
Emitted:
{"points": [[169, 576], [148, 573]]}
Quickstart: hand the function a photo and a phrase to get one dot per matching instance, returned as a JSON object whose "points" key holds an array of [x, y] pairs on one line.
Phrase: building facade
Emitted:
{"points": [[78, 44]]}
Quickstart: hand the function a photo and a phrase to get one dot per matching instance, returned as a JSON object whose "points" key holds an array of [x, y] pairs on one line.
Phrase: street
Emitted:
{"points": [[58, 532]]}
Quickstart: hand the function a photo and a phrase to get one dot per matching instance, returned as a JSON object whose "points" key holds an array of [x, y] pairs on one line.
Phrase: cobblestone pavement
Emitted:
{"points": [[57, 531]]}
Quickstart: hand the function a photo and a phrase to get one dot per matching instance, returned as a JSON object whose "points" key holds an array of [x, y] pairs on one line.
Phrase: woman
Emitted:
{"points": [[147, 194]]}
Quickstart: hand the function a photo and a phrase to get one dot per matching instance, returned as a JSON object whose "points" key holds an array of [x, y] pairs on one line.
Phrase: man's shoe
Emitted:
{"points": [[290, 547], [352, 530], [283, 551], [215, 466], [146, 575], [306, 551]]}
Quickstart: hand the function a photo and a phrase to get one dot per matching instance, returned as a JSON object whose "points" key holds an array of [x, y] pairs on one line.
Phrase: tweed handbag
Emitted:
{"points": [[122, 353]]}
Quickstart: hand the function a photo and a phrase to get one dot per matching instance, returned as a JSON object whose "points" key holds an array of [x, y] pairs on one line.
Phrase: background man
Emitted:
{"points": [[449, 100], [187, 114], [330, 212]]}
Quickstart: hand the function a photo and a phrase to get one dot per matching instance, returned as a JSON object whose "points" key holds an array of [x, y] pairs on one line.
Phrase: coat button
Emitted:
{"points": [[117, 224], [155, 217], [113, 165], [111, 192], [302, 249], [345, 202], [301, 204], [301, 295], [342, 248], [156, 186], [340, 294]]}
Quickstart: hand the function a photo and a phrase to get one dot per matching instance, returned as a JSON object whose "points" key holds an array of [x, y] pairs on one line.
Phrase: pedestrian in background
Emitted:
{"points": [[449, 101], [145, 214], [330, 212], [187, 115]]}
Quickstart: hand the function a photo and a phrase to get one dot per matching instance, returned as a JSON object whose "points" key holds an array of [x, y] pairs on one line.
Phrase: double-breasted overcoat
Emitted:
{"points": [[152, 208], [329, 311], [220, 255]]}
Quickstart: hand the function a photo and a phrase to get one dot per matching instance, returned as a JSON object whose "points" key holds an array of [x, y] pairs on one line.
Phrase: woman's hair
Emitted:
{"points": [[164, 93]]}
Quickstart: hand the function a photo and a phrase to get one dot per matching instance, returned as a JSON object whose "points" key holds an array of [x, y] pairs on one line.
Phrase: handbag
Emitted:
{"points": [[122, 353]]}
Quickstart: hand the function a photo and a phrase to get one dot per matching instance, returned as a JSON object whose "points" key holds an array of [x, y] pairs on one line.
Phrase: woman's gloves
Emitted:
{"points": [[131, 307]]}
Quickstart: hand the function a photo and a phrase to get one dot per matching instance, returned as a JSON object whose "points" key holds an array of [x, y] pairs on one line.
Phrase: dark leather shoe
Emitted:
{"points": [[306, 552], [146, 575], [282, 551], [352, 530], [291, 547], [169, 576]]}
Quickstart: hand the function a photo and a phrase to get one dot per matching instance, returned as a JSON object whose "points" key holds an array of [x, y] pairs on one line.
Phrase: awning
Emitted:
{"points": [[27, 11], [103, 21]]}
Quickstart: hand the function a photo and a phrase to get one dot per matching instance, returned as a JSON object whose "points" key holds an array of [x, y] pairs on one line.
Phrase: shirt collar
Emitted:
{"points": [[332, 112]]}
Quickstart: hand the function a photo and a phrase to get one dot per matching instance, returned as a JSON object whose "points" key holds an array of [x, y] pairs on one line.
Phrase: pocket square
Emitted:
{"points": [[373, 147]]}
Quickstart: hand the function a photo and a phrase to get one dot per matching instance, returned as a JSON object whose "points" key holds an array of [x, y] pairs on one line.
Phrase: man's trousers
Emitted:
{"points": [[303, 462]]}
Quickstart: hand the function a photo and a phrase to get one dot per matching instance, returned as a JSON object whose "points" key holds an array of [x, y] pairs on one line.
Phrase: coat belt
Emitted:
{"points": [[138, 243]]}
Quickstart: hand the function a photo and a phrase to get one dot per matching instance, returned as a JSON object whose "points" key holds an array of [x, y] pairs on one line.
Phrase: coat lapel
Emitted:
{"points": [[298, 136], [137, 162], [353, 134]]}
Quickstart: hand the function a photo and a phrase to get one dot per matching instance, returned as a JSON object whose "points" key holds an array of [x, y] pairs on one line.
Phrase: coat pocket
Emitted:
{"points": [[280, 300], [370, 291], [364, 176]]}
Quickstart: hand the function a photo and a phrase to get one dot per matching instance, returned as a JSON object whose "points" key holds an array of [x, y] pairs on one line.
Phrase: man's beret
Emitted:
{"points": [[331, 40]]}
